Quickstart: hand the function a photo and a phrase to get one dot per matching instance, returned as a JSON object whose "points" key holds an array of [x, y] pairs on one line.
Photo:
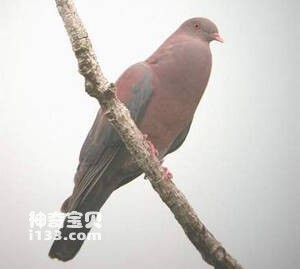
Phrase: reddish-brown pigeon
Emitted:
{"points": [[162, 94]]}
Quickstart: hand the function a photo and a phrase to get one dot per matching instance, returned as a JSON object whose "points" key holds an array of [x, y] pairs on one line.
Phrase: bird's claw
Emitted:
{"points": [[152, 149], [167, 174]]}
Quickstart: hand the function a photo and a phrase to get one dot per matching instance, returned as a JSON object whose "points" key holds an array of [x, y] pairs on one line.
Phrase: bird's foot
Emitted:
{"points": [[153, 150], [167, 174]]}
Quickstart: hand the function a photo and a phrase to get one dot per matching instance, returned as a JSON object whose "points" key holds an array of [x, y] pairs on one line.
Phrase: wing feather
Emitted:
{"points": [[103, 143]]}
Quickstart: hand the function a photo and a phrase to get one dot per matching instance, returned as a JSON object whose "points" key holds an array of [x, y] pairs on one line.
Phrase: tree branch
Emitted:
{"points": [[98, 86]]}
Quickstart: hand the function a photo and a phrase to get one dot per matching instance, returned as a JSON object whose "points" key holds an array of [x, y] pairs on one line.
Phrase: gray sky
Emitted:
{"points": [[239, 166]]}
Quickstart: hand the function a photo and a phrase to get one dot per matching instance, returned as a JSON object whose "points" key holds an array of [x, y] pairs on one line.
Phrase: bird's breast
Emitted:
{"points": [[178, 84]]}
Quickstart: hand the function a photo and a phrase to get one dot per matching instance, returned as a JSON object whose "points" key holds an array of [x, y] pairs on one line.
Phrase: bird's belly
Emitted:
{"points": [[164, 120]]}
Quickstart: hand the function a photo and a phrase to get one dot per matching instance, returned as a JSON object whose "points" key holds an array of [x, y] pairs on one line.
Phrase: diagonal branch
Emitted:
{"points": [[98, 86]]}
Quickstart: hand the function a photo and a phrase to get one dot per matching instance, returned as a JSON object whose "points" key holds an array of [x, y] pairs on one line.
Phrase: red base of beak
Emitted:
{"points": [[217, 37]]}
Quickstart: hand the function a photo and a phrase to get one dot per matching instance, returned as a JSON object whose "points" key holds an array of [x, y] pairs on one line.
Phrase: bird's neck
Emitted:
{"points": [[183, 67]]}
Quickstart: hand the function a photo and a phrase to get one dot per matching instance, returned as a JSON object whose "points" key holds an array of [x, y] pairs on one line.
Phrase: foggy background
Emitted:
{"points": [[239, 166]]}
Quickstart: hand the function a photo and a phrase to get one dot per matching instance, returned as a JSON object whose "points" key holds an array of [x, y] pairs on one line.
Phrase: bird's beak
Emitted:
{"points": [[217, 37]]}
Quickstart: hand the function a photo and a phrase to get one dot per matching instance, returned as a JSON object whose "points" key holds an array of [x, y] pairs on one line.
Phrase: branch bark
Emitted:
{"points": [[98, 86]]}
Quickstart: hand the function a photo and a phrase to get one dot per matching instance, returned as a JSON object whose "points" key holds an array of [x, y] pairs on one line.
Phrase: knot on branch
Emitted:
{"points": [[61, 2], [219, 252], [91, 88], [109, 92], [86, 64], [79, 36]]}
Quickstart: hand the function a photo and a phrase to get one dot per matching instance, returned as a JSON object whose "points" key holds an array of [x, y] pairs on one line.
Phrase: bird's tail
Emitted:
{"points": [[70, 239]]}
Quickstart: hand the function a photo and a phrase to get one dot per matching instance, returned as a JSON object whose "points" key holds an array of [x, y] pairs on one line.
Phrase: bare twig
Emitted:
{"points": [[97, 86]]}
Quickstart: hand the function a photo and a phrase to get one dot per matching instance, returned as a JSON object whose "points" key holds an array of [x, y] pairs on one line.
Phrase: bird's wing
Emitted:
{"points": [[179, 139], [103, 143]]}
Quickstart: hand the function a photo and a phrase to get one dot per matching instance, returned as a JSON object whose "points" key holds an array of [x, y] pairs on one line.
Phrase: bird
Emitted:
{"points": [[161, 94]]}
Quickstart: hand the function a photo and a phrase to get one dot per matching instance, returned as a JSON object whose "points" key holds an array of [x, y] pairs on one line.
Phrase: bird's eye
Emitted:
{"points": [[197, 26]]}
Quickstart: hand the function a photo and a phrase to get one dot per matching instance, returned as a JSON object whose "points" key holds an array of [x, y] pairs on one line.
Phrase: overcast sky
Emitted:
{"points": [[239, 166]]}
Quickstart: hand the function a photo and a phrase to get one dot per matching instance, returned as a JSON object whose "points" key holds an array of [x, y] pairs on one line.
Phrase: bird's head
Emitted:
{"points": [[202, 28]]}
